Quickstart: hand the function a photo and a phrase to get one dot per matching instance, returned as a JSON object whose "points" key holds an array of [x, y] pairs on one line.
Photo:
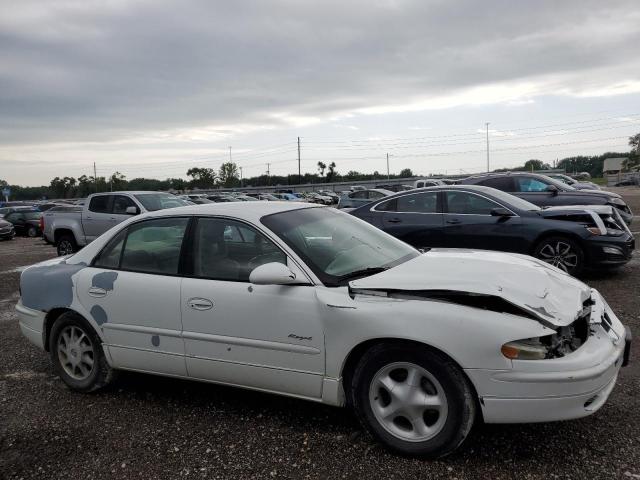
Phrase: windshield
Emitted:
{"points": [[336, 246], [160, 201]]}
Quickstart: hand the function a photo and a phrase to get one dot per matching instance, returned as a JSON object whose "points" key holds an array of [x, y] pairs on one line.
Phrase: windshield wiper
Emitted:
{"points": [[365, 272]]}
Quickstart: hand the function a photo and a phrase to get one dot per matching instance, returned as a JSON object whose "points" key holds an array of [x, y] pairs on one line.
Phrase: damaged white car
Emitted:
{"points": [[310, 302]]}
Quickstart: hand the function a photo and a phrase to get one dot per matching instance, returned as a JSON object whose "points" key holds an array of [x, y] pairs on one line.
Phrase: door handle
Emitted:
{"points": [[453, 221], [97, 292], [200, 304], [394, 220]]}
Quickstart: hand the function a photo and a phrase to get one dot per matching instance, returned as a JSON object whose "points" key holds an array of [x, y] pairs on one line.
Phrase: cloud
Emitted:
{"points": [[193, 70]]}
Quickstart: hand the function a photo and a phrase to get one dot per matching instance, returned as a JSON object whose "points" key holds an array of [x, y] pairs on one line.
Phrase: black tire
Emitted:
{"points": [[66, 245], [562, 252], [32, 232], [460, 398], [100, 375]]}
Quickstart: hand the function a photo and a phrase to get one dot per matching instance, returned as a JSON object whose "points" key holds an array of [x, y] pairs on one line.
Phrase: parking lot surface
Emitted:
{"points": [[152, 427]]}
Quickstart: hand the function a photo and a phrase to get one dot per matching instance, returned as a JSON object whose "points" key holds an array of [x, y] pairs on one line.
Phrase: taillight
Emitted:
{"points": [[42, 224]]}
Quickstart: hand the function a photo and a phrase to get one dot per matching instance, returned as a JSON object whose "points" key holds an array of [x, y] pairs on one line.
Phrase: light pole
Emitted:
{"points": [[487, 125], [240, 177], [388, 176]]}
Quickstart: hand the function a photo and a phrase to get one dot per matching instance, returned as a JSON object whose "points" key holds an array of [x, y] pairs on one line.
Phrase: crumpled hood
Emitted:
{"points": [[543, 291]]}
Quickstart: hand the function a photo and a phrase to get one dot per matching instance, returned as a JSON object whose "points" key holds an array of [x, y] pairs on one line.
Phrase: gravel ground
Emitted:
{"points": [[152, 427]]}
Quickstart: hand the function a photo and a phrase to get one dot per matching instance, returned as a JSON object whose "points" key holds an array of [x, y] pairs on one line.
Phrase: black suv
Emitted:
{"points": [[546, 192]]}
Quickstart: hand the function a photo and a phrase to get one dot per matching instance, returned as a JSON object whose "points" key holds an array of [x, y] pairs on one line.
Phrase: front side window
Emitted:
{"points": [[358, 194], [336, 246], [99, 204], [225, 249], [121, 203], [530, 184], [469, 204], [154, 246], [418, 203]]}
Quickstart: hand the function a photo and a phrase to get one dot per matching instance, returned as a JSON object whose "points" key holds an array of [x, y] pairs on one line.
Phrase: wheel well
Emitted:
{"points": [[359, 350], [49, 320], [60, 232]]}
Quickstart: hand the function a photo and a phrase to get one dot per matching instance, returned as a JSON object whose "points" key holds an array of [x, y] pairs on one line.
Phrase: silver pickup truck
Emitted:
{"points": [[70, 228]]}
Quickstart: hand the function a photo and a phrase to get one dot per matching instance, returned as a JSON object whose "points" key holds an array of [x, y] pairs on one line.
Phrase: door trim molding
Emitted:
{"points": [[250, 342]]}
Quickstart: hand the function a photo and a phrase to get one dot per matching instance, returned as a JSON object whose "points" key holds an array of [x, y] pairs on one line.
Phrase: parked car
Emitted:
{"points": [[72, 229], [546, 192], [570, 237], [7, 232], [26, 222], [307, 301], [362, 197], [427, 182], [333, 195], [4, 211], [314, 197], [582, 185], [222, 198]]}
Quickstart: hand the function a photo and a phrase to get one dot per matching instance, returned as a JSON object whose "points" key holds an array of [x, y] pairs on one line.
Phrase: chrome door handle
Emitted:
{"points": [[97, 292], [200, 304], [394, 220], [453, 221]]}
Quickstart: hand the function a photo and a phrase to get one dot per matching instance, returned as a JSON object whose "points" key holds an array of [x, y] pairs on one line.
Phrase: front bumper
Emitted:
{"points": [[31, 324], [606, 251], [9, 233], [564, 388]]}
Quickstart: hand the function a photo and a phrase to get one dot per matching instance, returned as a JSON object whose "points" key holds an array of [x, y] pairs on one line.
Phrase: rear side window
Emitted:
{"points": [[469, 204], [376, 195], [359, 194], [154, 246], [110, 256], [500, 183], [99, 204], [418, 203]]}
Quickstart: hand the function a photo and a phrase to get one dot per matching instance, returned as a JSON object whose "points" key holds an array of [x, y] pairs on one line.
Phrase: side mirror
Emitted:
{"points": [[553, 189], [132, 210], [273, 273], [501, 212]]}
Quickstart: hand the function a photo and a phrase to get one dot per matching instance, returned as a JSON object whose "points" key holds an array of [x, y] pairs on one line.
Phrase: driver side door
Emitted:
{"points": [[267, 337]]}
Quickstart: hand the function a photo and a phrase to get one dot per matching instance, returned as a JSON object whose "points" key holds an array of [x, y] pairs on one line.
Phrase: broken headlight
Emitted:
{"points": [[566, 340]]}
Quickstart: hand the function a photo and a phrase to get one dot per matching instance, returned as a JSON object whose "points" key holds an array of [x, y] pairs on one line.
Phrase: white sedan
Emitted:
{"points": [[310, 302]]}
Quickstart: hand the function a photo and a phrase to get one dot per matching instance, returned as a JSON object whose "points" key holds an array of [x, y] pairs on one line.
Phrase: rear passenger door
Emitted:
{"points": [[415, 218], [97, 219], [132, 291]]}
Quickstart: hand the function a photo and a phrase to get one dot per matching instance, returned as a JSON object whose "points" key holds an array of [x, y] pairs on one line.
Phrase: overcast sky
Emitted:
{"points": [[151, 88]]}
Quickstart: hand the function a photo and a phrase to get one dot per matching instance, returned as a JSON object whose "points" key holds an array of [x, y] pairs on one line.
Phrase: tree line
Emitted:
{"points": [[228, 176]]}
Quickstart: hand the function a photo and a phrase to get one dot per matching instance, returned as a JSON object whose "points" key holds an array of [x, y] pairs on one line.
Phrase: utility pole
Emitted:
{"points": [[388, 176], [240, 177], [299, 173], [95, 176], [268, 165], [487, 125]]}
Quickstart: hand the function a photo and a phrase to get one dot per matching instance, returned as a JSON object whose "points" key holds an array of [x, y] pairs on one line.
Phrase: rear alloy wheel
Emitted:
{"points": [[76, 352], [66, 245], [32, 232], [561, 252], [412, 399]]}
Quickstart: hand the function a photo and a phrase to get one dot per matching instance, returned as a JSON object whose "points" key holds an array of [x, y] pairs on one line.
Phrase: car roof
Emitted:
{"points": [[240, 210]]}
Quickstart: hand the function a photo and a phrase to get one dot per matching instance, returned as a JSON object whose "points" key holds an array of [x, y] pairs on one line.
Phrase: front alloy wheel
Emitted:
{"points": [[562, 253], [32, 232], [408, 401], [412, 399]]}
